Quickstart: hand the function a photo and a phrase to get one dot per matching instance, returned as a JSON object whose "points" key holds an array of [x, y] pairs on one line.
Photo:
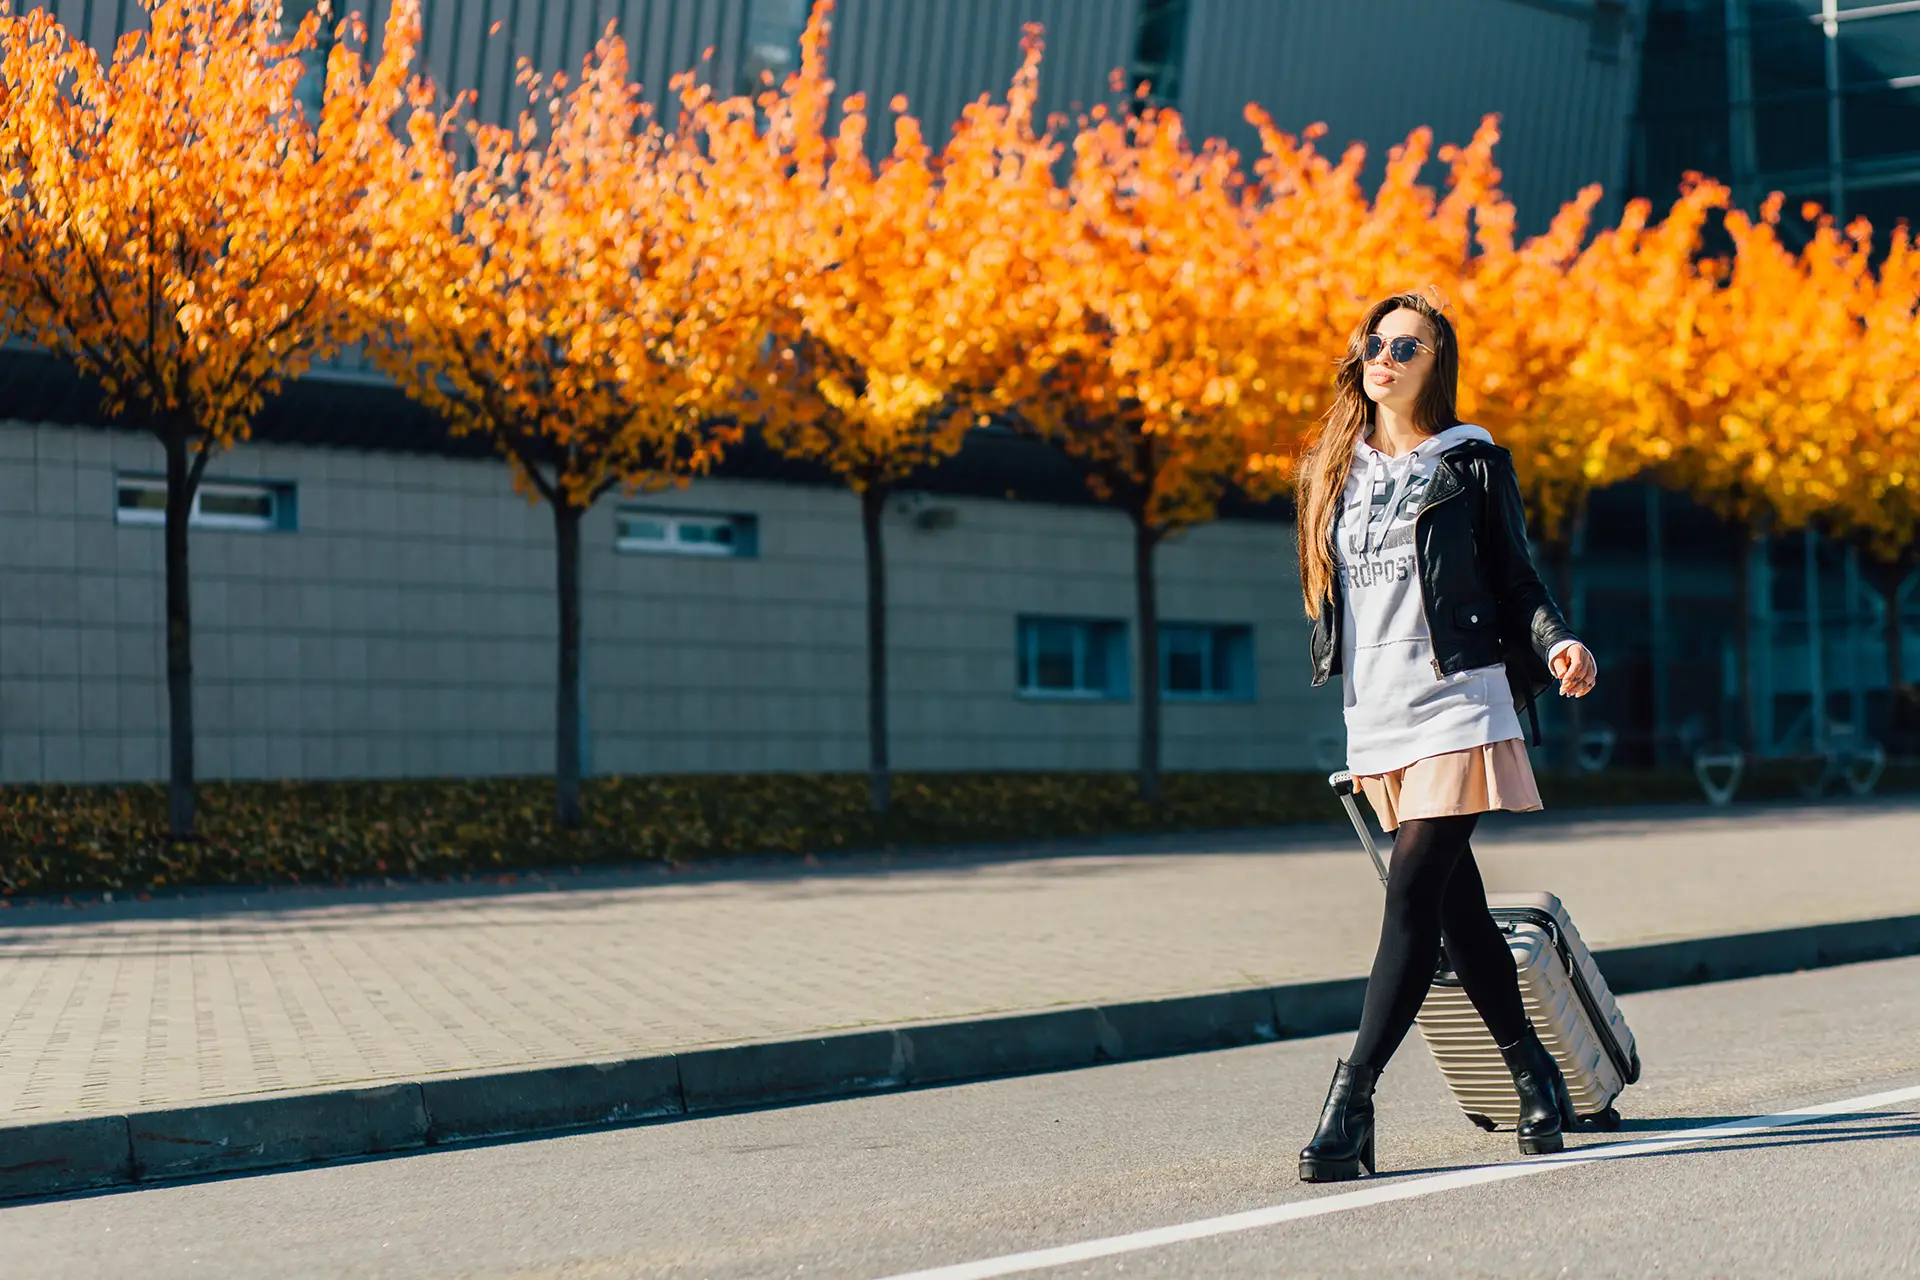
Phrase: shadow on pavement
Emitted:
{"points": [[1804, 1133]]}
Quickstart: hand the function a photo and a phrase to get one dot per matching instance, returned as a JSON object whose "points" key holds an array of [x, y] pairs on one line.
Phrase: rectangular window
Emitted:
{"points": [[1206, 661], [216, 505], [770, 45], [684, 533], [1160, 48], [1072, 658]]}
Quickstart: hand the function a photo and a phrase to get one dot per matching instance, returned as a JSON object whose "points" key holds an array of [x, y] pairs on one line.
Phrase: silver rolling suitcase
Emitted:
{"points": [[1566, 999]]}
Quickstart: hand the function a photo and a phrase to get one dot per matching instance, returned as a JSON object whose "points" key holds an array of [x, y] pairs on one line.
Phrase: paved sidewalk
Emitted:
{"points": [[142, 1005]]}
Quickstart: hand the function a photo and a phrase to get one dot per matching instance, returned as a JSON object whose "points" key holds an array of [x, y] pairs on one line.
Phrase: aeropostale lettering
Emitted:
{"points": [[1369, 573]]}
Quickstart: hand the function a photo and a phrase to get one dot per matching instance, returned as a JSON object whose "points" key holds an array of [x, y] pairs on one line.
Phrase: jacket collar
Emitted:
{"points": [[1446, 477], [1446, 481]]}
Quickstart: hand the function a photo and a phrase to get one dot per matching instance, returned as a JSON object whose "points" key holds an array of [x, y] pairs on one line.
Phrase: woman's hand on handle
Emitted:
{"points": [[1576, 670]]}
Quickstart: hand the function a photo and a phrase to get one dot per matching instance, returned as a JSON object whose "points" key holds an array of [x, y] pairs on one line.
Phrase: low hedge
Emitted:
{"points": [[67, 839]]}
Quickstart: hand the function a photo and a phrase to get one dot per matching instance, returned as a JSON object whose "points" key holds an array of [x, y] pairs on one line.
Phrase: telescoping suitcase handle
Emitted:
{"points": [[1628, 1062], [1343, 786]]}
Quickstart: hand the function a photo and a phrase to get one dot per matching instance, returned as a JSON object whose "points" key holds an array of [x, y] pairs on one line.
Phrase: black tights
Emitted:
{"points": [[1433, 891]]}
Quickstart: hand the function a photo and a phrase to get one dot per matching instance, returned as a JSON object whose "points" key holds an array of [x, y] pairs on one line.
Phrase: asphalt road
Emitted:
{"points": [[892, 1184]]}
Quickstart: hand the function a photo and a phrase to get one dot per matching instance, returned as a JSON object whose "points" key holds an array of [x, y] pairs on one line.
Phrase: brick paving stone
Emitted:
{"points": [[218, 995]]}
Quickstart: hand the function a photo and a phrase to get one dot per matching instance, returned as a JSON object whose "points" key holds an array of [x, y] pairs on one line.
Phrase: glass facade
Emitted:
{"points": [[1707, 634], [1819, 99]]}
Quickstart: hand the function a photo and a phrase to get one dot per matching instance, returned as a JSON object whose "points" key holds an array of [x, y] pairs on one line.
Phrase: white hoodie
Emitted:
{"points": [[1397, 710]]}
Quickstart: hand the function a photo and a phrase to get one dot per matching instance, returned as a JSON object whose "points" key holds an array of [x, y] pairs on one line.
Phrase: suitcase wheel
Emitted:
{"points": [[1607, 1121], [1483, 1122]]}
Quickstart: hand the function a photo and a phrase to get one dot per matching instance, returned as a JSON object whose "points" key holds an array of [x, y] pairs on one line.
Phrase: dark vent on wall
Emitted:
{"points": [[1159, 49]]}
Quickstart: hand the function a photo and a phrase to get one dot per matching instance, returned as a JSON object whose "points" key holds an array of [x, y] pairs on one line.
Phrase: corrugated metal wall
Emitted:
{"points": [[462, 49], [1563, 84], [941, 54], [664, 37], [98, 22], [1375, 71]]}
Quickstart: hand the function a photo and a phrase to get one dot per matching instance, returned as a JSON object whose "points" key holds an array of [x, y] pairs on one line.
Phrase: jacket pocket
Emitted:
{"points": [[1473, 617]]}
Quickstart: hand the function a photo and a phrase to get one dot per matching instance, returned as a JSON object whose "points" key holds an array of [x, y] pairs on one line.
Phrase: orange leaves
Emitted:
{"points": [[565, 292], [1144, 364], [596, 287], [906, 286], [1883, 498], [170, 219], [1776, 383]]}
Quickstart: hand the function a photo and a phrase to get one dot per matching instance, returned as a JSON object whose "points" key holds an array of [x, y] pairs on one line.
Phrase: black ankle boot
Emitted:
{"points": [[1344, 1140], [1546, 1111]]}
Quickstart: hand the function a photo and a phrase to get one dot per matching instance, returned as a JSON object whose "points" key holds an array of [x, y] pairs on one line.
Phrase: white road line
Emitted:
{"points": [[1252, 1219]]}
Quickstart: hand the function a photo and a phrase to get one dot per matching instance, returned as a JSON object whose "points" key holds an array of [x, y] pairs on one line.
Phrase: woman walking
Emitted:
{"points": [[1414, 564]]}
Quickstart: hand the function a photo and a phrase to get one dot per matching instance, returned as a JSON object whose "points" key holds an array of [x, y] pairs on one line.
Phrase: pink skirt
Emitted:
{"points": [[1496, 776]]}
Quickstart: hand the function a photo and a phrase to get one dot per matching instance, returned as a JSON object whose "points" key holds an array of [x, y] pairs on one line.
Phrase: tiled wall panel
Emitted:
{"points": [[407, 628]]}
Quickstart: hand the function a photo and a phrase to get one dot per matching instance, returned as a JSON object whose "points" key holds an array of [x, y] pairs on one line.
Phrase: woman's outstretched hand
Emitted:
{"points": [[1576, 670]]}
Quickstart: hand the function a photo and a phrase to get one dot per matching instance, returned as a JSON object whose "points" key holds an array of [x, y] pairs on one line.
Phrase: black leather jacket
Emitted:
{"points": [[1484, 603]]}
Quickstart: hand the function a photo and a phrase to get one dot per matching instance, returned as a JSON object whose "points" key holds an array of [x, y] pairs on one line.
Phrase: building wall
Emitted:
{"points": [[941, 53], [406, 628], [1563, 75]]}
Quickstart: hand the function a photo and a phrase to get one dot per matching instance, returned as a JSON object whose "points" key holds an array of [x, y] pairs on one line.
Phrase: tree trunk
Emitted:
{"points": [[873, 505], [566, 746], [180, 784], [1145, 539]]}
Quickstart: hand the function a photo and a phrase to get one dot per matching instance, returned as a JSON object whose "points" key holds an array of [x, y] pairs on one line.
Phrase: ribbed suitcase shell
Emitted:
{"points": [[1568, 1003]]}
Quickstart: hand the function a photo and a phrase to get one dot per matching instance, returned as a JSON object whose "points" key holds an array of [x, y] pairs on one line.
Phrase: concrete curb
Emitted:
{"points": [[206, 1139]]}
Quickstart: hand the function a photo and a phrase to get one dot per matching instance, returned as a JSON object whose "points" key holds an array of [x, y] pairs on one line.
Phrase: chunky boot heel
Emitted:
{"points": [[1343, 1143], [1544, 1103]]}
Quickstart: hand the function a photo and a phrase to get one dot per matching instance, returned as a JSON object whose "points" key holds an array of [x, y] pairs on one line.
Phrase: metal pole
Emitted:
{"points": [[1899, 606], [1760, 638], [1657, 607], [1743, 151], [1836, 152], [1577, 615], [1856, 676], [1816, 684]]}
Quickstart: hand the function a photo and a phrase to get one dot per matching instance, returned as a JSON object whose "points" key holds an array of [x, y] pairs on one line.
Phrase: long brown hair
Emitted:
{"points": [[1323, 468]]}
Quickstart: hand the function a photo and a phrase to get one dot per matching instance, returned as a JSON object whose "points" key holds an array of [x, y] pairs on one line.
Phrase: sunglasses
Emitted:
{"points": [[1401, 349]]}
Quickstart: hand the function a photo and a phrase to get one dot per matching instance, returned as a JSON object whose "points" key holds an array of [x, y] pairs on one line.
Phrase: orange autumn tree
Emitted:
{"points": [[1322, 251], [1771, 373], [565, 296], [1150, 365], [1522, 325], [1882, 504], [176, 225], [1325, 251], [910, 285], [1570, 338], [1552, 326], [1754, 368], [1847, 464]]}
